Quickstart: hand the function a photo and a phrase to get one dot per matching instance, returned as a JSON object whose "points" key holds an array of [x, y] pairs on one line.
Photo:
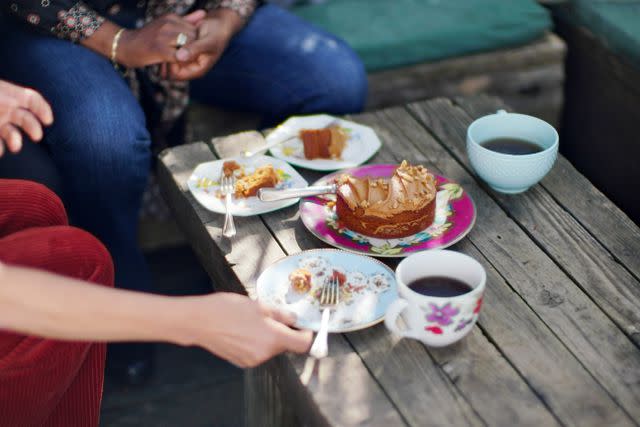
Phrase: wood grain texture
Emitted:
{"points": [[609, 283], [568, 388], [528, 77], [174, 168], [570, 312], [592, 209]]}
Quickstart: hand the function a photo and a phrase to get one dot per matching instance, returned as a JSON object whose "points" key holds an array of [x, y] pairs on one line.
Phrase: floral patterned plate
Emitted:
{"points": [[455, 216], [204, 184], [368, 288], [362, 144]]}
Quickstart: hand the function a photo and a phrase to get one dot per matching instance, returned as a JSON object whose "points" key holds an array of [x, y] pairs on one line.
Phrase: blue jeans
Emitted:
{"points": [[277, 65]]}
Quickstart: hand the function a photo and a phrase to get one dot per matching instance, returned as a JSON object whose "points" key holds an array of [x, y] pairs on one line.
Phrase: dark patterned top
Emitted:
{"points": [[75, 20]]}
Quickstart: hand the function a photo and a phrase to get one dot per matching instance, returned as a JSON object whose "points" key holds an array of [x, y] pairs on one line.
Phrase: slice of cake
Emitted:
{"points": [[264, 176], [394, 207], [300, 280], [326, 143]]}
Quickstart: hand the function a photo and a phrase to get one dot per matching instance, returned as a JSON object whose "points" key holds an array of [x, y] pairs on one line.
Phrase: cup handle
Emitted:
{"points": [[391, 318]]}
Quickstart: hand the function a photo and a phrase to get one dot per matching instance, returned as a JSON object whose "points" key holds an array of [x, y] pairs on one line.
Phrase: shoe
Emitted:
{"points": [[130, 364]]}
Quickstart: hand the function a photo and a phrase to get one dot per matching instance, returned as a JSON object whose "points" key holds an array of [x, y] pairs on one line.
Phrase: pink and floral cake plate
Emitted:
{"points": [[454, 219]]}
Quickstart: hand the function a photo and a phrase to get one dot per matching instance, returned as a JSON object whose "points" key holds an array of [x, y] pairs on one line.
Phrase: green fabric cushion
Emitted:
{"points": [[391, 33], [615, 22]]}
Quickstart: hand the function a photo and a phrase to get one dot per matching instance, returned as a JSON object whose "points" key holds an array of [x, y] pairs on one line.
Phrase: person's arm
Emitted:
{"points": [[231, 326], [77, 22]]}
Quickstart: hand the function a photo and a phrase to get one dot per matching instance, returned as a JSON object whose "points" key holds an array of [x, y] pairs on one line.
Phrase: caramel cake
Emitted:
{"points": [[300, 280], [394, 207], [264, 176], [324, 143]]}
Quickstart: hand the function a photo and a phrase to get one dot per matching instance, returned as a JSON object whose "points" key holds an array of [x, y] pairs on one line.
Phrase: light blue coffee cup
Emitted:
{"points": [[511, 173]]}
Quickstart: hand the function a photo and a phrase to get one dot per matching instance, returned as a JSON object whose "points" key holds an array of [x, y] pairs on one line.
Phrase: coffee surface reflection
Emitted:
{"points": [[514, 146]]}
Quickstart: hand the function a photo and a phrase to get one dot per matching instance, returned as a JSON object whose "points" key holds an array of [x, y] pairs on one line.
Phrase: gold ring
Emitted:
{"points": [[181, 40]]}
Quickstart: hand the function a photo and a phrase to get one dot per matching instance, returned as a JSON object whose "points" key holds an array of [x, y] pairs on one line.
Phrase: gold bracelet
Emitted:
{"points": [[114, 48]]}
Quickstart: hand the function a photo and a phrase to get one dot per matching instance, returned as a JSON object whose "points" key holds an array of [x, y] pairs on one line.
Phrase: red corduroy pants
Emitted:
{"points": [[46, 382]]}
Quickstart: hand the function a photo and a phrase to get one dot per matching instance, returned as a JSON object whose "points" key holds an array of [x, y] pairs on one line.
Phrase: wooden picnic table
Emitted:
{"points": [[558, 338]]}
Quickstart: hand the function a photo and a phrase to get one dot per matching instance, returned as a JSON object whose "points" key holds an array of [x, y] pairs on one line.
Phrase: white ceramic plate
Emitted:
{"points": [[362, 144], [369, 289], [204, 184]]}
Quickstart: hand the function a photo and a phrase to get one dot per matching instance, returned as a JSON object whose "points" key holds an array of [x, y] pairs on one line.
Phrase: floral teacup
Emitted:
{"points": [[434, 320]]}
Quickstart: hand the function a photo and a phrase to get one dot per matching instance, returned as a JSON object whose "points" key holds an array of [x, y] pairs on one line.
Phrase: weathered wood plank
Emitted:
{"points": [[411, 379], [540, 358], [570, 313], [578, 252], [595, 212], [250, 252], [174, 168]]}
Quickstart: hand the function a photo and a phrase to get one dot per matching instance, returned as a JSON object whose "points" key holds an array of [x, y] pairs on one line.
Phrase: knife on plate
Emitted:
{"points": [[272, 195]]}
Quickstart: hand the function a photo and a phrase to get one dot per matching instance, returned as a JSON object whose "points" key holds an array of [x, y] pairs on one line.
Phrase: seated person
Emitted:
{"points": [[229, 53], [58, 308]]}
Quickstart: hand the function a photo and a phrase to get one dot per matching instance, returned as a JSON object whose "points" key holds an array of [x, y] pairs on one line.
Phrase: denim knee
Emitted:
{"points": [[348, 84], [101, 143]]}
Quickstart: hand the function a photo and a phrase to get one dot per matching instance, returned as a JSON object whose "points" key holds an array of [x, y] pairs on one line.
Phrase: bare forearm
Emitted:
{"points": [[39, 303]]}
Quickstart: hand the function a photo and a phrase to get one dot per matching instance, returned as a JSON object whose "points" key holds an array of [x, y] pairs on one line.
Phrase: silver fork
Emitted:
{"points": [[227, 187], [329, 299]]}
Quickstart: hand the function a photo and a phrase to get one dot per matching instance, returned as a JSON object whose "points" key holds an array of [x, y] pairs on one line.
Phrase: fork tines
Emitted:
{"points": [[330, 292]]}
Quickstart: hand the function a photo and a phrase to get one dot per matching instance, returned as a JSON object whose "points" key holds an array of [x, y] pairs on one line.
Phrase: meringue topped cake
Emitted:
{"points": [[394, 207]]}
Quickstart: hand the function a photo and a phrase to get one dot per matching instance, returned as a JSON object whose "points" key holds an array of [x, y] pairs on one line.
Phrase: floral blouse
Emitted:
{"points": [[75, 20]]}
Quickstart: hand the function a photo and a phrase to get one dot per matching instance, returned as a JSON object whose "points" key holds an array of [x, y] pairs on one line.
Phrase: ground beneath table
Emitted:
{"points": [[190, 387]]}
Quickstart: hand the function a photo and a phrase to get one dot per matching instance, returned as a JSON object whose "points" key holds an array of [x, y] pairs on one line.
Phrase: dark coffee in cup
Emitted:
{"points": [[515, 146], [440, 286]]}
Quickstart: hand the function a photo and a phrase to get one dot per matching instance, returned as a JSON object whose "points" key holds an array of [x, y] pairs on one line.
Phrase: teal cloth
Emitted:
{"points": [[615, 22], [392, 33]]}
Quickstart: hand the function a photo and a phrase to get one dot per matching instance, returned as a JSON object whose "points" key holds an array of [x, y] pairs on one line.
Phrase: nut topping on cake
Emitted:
{"points": [[397, 206]]}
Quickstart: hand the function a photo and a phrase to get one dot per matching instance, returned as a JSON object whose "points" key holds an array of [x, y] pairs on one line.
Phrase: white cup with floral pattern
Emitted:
{"points": [[436, 320]]}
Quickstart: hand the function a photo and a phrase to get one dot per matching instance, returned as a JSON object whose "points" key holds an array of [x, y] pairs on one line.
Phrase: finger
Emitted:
{"points": [[1, 147], [34, 102], [195, 17], [192, 50], [27, 122], [292, 340], [196, 69], [12, 137], [181, 27], [178, 72], [286, 317], [185, 71]]}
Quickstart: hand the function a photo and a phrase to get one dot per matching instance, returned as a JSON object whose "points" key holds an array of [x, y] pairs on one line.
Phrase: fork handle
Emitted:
{"points": [[319, 349], [229, 228], [271, 194]]}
